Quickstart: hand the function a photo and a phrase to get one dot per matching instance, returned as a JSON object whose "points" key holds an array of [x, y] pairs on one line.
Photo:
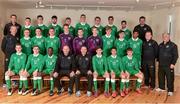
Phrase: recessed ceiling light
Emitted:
{"points": [[137, 1]]}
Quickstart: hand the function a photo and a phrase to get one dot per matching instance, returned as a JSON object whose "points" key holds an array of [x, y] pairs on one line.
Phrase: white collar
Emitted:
{"points": [[129, 57], [135, 39], [110, 25], [40, 24], [121, 39], [35, 55], [51, 37], [108, 36], [54, 24], [97, 25], [26, 38], [98, 56], [113, 56], [50, 56], [18, 53], [124, 29], [27, 26], [39, 36], [82, 23]]}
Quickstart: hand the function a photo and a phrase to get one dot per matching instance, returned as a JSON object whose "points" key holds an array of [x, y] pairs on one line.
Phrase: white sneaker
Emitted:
{"points": [[88, 93], [170, 93], [78, 93], [9, 93], [160, 90], [4, 85], [20, 92]]}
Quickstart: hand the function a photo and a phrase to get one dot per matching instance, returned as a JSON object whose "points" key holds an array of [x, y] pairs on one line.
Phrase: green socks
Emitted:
{"points": [[95, 84], [8, 82], [113, 84], [107, 85], [122, 84], [51, 84], [138, 83]]}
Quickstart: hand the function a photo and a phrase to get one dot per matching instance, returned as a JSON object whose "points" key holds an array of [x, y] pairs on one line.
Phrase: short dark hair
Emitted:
{"points": [[149, 32], [124, 21], [50, 48], [38, 28], [120, 31], [97, 17], [135, 31], [35, 46], [68, 18], [94, 27], [27, 29], [28, 18], [110, 17], [80, 29], [18, 44], [40, 16], [129, 49], [108, 28], [142, 17], [113, 48], [65, 25], [98, 48], [13, 15], [83, 15], [54, 17], [52, 28]]}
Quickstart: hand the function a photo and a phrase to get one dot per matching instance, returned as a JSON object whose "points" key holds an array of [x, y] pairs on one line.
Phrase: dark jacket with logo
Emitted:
{"points": [[142, 30], [149, 52], [8, 44], [65, 63], [7, 29], [168, 54], [84, 63]]}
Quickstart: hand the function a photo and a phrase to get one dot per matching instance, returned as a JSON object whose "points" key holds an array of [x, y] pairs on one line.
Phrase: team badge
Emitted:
{"points": [[69, 58], [149, 44], [167, 46], [86, 59], [145, 29]]}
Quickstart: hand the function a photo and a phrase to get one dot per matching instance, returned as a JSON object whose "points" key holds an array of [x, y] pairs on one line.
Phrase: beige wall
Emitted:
{"points": [[157, 19]]}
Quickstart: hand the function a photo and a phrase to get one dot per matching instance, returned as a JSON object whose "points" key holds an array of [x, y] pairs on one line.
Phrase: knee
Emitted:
{"points": [[113, 75]]}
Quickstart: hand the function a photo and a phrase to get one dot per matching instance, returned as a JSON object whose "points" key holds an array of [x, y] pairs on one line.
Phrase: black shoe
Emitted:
{"points": [[34, 92], [19, 91], [60, 91], [38, 92], [70, 92], [9, 92], [51, 93]]}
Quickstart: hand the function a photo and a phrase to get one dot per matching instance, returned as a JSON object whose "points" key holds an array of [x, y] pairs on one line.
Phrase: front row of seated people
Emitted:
{"points": [[75, 67]]}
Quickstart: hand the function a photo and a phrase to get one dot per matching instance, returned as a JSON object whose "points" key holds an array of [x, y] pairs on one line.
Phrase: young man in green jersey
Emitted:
{"points": [[16, 67], [49, 66], [115, 68], [121, 44], [26, 43], [33, 68], [27, 25], [52, 41], [100, 69], [127, 32], [136, 44], [113, 27], [54, 24], [39, 40], [108, 41], [85, 26], [131, 68], [97, 24], [40, 25], [71, 28]]}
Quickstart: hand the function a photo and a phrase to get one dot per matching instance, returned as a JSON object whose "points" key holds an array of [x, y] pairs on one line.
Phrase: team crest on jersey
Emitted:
{"points": [[149, 44], [97, 40], [145, 29], [80, 43], [167, 46], [83, 41], [69, 38], [69, 58], [86, 59]]}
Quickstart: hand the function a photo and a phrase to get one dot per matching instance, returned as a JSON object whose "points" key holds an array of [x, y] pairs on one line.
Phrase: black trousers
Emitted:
{"points": [[6, 63], [62, 73], [89, 78], [166, 72], [149, 74]]}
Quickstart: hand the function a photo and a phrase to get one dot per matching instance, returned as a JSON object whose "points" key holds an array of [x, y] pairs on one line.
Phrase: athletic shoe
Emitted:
{"points": [[20, 91], [96, 94], [34, 92], [160, 90], [9, 92], [51, 93], [106, 94], [59, 92], [69, 92], [25, 92], [122, 94], [138, 91], [78, 94], [170, 93], [88, 93], [114, 94]]}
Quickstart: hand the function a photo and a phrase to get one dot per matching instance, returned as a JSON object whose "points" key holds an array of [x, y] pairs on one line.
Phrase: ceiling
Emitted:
{"points": [[93, 4]]}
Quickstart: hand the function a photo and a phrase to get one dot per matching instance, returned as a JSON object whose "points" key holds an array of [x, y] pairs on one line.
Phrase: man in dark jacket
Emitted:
{"points": [[84, 68], [142, 28], [65, 66], [168, 55], [149, 55], [12, 23], [8, 46]]}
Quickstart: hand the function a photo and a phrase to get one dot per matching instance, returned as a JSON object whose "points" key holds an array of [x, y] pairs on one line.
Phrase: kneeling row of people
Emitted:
{"points": [[66, 64]]}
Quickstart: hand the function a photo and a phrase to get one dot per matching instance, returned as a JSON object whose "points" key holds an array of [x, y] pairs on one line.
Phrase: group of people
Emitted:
{"points": [[91, 52]]}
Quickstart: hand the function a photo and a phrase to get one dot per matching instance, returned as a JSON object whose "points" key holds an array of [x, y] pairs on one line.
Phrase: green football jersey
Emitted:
{"points": [[114, 30], [121, 46], [26, 45], [31, 28], [17, 62], [127, 34], [49, 63], [53, 42], [57, 29], [100, 29], [44, 29], [40, 42], [85, 27], [108, 43]]}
